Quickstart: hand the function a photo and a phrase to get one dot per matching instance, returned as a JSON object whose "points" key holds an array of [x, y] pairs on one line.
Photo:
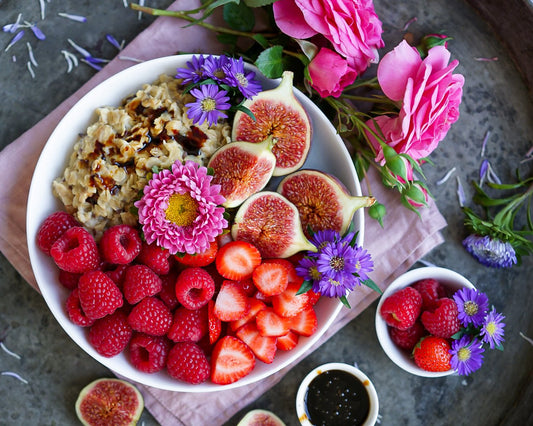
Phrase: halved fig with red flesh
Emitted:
{"points": [[242, 169], [323, 202], [260, 417], [278, 114], [271, 223]]}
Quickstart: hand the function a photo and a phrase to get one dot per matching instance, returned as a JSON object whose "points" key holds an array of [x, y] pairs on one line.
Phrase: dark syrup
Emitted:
{"points": [[337, 398]]}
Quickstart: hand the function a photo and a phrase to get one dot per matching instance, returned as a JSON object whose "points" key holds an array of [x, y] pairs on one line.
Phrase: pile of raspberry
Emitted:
{"points": [[201, 317], [421, 319]]}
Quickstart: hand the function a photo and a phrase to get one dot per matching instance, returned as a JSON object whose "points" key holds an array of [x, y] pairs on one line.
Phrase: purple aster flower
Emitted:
{"points": [[363, 263], [490, 252], [307, 269], [210, 101], [337, 265], [180, 209], [194, 72], [216, 68], [466, 355], [472, 305], [322, 239], [492, 330], [239, 78]]}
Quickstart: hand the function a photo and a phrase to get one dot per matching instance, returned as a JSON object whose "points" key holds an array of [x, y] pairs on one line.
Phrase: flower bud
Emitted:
{"points": [[432, 40], [415, 195], [377, 211]]}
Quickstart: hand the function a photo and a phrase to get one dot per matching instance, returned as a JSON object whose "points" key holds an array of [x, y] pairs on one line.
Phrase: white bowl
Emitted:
{"points": [[302, 391], [451, 280], [327, 153]]}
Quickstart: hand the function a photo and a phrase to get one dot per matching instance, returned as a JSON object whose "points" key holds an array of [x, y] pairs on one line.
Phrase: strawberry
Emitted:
{"points": [[199, 259], [248, 286], [263, 347], [237, 260], [231, 360], [431, 291], [231, 303], [155, 257], [140, 282], [313, 297], [443, 321], [292, 276], [53, 227], [99, 295], [150, 316], [270, 278], [187, 325], [402, 308], [75, 251], [148, 353], [433, 354], [255, 306], [110, 335], [214, 324], [304, 323], [288, 341], [187, 362], [271, 324], [120, 244], [194, 287], [288, 304], [407, 339]]}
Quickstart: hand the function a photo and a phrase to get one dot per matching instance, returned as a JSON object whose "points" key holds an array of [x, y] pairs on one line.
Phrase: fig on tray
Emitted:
{"points": [[278, 114], [323, 202]]}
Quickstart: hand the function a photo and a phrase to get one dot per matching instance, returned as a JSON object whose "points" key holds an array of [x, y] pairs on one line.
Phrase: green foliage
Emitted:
{"points": [[270, 62]]}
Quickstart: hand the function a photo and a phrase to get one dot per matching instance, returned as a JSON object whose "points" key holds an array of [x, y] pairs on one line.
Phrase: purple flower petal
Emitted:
{"points": [[37, 32]]}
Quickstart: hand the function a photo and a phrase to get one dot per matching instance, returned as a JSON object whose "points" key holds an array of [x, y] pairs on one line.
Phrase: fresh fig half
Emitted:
{"points": [[242, 169], [260, 417], [280, 115], [323, 202], [272, 223], [109, 401]]}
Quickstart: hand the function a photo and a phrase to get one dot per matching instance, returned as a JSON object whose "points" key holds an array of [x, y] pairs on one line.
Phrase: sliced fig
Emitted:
{"points": [[323, 202], [109, 401], [242, 169], [260, 418], [270, 222], [280, 115]]}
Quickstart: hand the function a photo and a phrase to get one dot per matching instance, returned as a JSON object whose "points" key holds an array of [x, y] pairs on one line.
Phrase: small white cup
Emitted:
{"points": [[371, 391]]}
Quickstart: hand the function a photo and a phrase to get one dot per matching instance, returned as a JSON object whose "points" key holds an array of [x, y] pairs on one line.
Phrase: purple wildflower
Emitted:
{"points": [[210, 101], [194, 72], [216, 68], [492, 330], [466, 355], [490, 252], [307, 269], [242, 80], [323, 238], [337, 265], [472, 305], [363, 263]]}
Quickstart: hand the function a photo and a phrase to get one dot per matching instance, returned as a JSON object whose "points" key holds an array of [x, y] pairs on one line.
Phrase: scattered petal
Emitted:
{"points": [[426, 263], [7, 351], [483, 172], [409, 22], [43, 9], [37, 32], [446, 176], [30, 69], [527, 339], [494, 58], [30, 55], [80, 49], [460, 193], [91, 64], [125, 2], [77, 18], [130, 58], [15, 375], [16, 38], [11, 28], [139, 14], [484, 144], [114, 42], [14, 58]]}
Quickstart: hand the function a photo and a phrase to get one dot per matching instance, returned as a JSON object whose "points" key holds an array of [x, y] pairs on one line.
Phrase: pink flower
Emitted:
{"points": [[180, 209], [351, 26], [330, 73], [429, 95]]}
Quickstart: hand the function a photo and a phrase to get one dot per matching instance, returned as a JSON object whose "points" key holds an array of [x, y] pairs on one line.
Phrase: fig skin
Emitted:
{"points": [[260, 417], [323, 202], [280, 115], [242, 169], [272, 223]]}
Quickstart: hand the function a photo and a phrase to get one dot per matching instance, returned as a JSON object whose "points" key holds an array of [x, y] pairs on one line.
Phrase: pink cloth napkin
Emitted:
{"points": [[405, 239]]}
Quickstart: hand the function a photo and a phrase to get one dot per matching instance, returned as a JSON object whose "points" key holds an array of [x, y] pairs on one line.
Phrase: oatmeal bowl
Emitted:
{"points": [[99, 181]]}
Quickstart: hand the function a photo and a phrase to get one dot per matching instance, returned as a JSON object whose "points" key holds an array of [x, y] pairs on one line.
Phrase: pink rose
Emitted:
{"points": [[330, 73], [429, 94], [351, 26]]}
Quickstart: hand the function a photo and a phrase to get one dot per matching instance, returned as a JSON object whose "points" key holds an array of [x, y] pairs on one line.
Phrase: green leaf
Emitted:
{"points": [[229, 39], [263, 42], [305, 287], [239, 16], [242, 108], [258, 3], [209, 9], [345, 302], [372, 285], [270, 62]]}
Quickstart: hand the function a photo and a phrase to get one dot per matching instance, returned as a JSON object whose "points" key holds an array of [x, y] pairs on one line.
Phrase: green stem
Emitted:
{"points": [[366, 99], [503, 218]]}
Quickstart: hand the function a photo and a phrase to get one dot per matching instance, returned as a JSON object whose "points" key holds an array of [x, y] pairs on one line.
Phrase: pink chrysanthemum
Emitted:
{"points": [[180, 209]]}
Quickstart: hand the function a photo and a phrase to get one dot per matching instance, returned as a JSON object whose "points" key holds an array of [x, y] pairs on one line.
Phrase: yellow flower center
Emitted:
{"points": [[208, 104], [313, 271], [491, 328], [182, 209], [463, 354], [471, 308]]}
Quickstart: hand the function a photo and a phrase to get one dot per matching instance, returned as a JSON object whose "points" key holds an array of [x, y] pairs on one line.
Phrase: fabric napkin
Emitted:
{"points": [[405, 238]]}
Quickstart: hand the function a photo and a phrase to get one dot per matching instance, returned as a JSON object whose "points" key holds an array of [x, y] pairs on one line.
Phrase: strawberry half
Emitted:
{"points": [[231, 360], [199, 259], [255, 306], [271, 324], [237, 260], [231, 303], [270, 278], [305, 323], [214, 324], [288, 341], [288, 304], [263, 347]]}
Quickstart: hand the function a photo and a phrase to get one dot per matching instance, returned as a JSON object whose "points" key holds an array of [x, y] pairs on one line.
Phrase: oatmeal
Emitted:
{"points": [[112, 161]]}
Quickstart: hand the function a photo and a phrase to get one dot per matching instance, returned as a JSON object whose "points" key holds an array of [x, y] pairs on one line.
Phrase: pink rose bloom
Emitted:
{"points": [[429, 94], [330, 73], [351, 26]]}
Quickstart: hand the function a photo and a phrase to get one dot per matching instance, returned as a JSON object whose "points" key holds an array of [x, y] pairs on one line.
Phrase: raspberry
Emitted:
{"points": [[116, 273], [110, 335], [431, 291], [155, 257], [168, 290], [199, 259], [187, 362], [52, 228], [99, 295], [188, 326], [407, 339], [76, 251], [150, 316], [74, 311], [443, 321], [68, 279], [194, 288], [140, 282], [149, 353], [402, 308], [120, 244]]}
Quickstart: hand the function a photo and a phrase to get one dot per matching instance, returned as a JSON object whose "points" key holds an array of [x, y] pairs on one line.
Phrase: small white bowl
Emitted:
{"points": [[452, 281], [301, 396]]}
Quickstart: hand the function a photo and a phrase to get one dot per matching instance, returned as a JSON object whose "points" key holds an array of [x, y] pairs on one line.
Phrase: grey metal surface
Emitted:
{"points": [[495, 98]]}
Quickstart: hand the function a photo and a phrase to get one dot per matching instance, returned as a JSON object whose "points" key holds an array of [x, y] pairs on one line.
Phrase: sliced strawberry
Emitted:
{"points": [[314, 297], [231, 360], [292, 276], [255, 307], [288, 341], [263, 347], [263, 298], [288, 304], [248, 286], [199, 259], [231, 303], [237, 260], [305, 323], [271, 324], [270, 278], [214, 324]]}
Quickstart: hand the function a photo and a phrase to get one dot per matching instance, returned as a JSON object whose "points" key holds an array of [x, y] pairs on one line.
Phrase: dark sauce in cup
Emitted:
{"points": [[337, 398]]}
